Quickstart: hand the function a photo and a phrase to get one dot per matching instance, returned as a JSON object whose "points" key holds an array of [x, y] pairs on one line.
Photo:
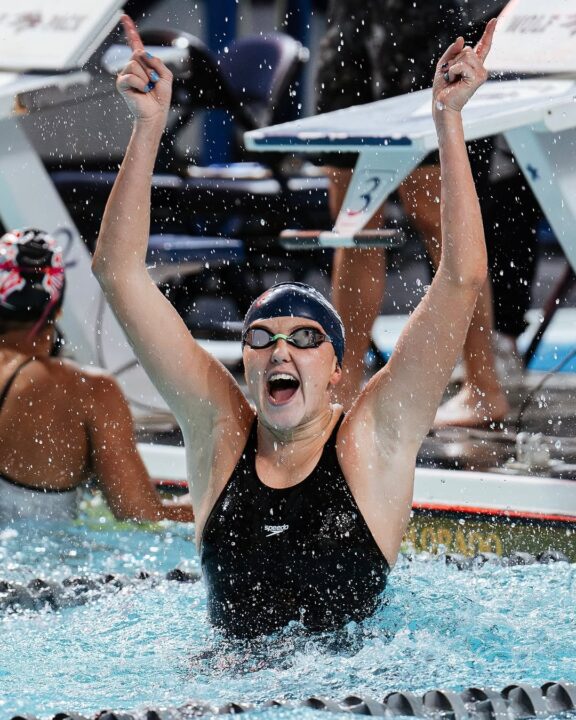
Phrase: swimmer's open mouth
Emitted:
{"points": [[282, 387]]}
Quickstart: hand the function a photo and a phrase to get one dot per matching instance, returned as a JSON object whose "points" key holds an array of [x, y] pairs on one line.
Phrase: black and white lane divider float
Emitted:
{"points": [[41, 594], [514, 702]]}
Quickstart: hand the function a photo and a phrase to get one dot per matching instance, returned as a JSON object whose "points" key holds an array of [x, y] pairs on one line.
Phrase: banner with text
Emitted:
{"points": [[53, 34], [535, 36]]}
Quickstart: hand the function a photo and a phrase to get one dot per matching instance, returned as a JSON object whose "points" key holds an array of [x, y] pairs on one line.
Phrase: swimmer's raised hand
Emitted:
{"points": [[145, 83], [460, 72]]}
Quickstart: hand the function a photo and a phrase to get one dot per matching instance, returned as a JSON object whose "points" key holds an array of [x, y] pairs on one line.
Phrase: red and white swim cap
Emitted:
{"points": [[31, 275]]}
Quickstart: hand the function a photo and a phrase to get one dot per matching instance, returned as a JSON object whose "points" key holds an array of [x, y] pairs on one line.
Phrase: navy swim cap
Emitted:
{"points": [[295, 299], [31, 275]]}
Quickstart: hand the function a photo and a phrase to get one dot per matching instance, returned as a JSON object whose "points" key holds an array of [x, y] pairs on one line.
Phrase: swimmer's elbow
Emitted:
{"points": [[113, 275], [100, 268], [109, 266], [475, 279], [468, 278]]}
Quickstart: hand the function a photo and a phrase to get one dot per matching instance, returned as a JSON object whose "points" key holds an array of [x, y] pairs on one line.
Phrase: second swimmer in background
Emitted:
{"points": [[60, 425]]}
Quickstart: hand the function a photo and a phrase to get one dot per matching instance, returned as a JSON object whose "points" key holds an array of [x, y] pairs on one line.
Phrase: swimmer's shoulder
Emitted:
{"points": [[44, 373], [83, 384], [67, 370]]}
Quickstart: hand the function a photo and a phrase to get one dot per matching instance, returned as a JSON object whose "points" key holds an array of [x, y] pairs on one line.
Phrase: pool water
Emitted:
{"points": [[149, 644]]}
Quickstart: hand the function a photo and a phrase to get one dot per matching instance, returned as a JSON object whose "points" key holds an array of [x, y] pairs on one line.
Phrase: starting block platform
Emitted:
{"points": [[391, 137]]}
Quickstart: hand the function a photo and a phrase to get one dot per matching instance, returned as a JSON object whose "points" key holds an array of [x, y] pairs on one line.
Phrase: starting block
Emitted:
{"points": [[392, 137]]}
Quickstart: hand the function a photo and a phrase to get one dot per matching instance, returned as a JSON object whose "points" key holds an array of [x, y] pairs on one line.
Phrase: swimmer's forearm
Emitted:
{"points": [[178, 511], [463, 247], [123, 238], [169, 510]]}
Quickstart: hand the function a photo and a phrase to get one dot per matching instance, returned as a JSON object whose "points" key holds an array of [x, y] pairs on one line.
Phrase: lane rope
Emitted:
{"points": [[41, 594], [514, 702]]}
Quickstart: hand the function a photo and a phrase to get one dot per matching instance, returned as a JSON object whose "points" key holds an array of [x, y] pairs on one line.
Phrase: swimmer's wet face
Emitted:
{"points": [[290, 379], [289, 383]]}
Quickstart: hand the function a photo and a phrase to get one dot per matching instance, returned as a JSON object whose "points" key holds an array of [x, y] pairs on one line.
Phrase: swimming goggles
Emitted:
{"points": [[304, 337]]}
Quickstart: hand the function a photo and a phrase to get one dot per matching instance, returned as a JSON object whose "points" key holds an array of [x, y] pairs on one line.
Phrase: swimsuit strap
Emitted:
{"points": [[11, 380]]}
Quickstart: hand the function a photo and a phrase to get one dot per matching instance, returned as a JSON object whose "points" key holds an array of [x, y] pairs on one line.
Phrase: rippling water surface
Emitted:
{"points": [[150, 644]]}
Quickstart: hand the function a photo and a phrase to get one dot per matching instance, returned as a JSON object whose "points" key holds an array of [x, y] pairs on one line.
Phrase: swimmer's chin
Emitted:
{"points": [[305, 427], [279, 426], [282, 426]]}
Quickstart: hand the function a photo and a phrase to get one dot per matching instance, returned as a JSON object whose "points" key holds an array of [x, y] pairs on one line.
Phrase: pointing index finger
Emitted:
{"points": [[132, 36], [485, 43]]}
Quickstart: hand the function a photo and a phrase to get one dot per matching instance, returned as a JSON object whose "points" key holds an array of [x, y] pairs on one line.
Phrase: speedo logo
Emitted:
{"points": [[275, 529]]}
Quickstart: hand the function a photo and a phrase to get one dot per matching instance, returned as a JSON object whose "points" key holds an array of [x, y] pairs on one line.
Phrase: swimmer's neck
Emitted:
{"points": [[286, 444], [18, 341]]}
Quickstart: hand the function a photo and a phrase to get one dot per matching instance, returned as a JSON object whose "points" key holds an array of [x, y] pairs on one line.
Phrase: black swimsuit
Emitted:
{"points": [[302, 553]]}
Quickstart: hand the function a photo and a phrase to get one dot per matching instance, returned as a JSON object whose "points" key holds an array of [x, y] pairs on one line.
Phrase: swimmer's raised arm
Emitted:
{"points": [[398, 405], [409, 389], [206, 400]]}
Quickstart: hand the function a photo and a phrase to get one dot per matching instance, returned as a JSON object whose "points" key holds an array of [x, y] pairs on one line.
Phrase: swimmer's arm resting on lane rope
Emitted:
{"points": [[207, 402], [116, 462]]}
